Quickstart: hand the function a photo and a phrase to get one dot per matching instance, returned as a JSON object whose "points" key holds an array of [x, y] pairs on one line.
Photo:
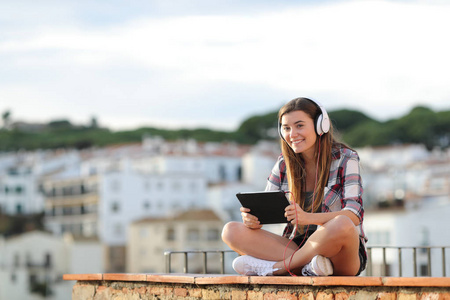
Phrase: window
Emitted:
{"points": [[115, 206], [213, 234], [32, 279], [19, 189], [48, 260], [424, 270], [222, 173], [67, 210], [170, 234], [239, 173], [146, 205]]}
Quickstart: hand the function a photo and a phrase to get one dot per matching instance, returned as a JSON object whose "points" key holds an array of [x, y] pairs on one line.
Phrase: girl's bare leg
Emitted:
{"points": [[258, 243], [337, 239]]}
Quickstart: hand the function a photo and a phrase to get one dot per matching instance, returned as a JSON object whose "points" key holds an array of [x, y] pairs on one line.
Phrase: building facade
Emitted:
{"points": [[191, 230]]}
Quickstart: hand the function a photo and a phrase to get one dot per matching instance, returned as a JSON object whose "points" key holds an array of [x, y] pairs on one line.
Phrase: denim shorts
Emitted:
{"points": [[301, 239], [362, 257]]}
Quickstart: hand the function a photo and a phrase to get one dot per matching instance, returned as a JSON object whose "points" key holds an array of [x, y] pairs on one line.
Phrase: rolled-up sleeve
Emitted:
{"points": [[276, 180], [352, 187]]}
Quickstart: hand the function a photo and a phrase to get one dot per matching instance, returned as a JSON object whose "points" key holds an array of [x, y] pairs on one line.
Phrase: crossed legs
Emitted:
{"points": [[337, 239]]}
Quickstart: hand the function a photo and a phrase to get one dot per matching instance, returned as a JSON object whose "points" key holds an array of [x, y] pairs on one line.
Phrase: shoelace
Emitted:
{"points": [[307, 271], [260, 268]]}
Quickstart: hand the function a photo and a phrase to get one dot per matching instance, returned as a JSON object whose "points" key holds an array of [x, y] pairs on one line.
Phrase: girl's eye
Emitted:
{"points": [[285, 128]]}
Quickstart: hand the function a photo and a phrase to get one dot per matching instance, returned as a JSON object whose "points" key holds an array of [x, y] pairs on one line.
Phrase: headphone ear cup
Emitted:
{"points": [[319, 130]]}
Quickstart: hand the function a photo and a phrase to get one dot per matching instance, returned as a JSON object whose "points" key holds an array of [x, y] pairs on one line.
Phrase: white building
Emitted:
{"points": [[191, 230], [422, 225], [113, 187], [258, 163], [20, 174], [407, 201], [32, 265]]}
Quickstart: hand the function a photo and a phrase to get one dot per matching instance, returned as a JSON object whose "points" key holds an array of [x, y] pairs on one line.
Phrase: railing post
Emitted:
{"points": [[443, 262], [185, 262], [415, 261], [168, 261], [205, 267], [369, 262], [429, 261], [369, 270], [222, 262]]}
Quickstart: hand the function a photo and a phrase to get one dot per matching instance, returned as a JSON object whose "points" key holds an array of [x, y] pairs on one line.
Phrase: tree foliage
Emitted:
{"points": [[420, 125]]}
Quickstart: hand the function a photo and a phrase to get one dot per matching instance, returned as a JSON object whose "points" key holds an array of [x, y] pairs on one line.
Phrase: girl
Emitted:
{"points": [[325, 235]]}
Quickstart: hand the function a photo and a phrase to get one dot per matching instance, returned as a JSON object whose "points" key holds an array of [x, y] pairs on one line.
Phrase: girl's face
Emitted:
{"points": [[297, 128]]}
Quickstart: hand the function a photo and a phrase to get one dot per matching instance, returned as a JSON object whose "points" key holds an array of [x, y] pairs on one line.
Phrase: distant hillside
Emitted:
{"points": [[420, 125]]}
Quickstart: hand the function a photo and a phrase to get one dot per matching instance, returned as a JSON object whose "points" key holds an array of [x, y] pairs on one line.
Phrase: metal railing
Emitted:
{"points": [[168, 255], [420, 256]]}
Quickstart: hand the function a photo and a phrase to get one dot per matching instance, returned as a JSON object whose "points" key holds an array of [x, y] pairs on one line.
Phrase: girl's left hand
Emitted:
{"points": [[295, 214]]}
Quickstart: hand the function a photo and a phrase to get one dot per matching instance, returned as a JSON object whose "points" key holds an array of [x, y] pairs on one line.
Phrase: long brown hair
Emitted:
{"points": [[295, 163]]}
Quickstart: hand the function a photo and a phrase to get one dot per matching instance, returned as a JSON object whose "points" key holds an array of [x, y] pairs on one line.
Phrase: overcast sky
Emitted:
{"points": [[192, 63]]}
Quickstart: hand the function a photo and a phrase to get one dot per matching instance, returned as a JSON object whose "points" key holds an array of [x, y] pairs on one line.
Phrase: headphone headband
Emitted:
{"points": [[322, 121]]}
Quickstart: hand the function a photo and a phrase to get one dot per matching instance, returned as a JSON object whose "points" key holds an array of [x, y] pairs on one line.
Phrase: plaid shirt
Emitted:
{"points": [[343, 191]]}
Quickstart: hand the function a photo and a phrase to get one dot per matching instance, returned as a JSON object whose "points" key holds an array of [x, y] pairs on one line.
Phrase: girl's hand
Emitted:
{"points": [[295, 214], [249, 220]]}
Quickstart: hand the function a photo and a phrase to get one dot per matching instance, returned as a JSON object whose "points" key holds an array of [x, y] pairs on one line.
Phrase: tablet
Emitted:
{"points": [[268, 206]]}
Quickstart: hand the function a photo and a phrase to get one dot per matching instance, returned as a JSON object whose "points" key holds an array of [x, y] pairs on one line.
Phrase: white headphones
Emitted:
{"points": [[322, 121]]}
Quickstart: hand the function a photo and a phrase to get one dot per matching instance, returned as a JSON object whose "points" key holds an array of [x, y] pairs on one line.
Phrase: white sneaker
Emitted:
{"points": [[319, 266], [250, 266]]}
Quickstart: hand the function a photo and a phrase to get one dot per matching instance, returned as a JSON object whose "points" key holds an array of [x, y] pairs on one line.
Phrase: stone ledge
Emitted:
{"points": [[216, 279]]}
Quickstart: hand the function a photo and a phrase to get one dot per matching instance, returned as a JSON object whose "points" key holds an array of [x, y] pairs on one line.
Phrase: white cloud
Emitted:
{"points": [[379, 56]]}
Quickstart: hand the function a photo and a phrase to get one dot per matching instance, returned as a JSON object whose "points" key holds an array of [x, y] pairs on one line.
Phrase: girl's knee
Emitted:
{"points": [[230, 231], [342, 227]]}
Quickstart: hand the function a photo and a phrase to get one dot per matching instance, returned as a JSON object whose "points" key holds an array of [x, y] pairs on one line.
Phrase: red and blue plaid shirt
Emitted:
{"points": [[343, 191]]}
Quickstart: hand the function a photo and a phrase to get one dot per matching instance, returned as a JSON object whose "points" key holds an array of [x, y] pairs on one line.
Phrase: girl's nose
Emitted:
{"points": [[293, 132]]}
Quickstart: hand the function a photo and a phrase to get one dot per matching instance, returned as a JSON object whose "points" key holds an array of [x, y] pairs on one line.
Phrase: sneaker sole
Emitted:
{"points": [[323, 265]]}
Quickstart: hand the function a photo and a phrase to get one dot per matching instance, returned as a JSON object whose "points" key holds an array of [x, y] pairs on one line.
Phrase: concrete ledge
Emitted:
{"points": [[217, 279], [232, 287]]}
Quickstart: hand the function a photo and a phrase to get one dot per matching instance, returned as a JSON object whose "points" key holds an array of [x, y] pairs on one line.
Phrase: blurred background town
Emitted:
{"points": [[127, 127], [84, 199]]}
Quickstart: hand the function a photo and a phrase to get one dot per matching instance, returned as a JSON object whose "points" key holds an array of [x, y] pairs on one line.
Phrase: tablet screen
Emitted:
{"points": [[268, 207]]}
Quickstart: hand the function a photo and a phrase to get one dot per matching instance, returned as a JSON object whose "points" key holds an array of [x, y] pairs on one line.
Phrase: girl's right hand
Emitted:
{"points": [[249, 220]]}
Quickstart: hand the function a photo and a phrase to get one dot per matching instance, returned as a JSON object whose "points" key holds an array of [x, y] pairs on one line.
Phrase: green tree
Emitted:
{"points": [[6, 117], [346, 119]]}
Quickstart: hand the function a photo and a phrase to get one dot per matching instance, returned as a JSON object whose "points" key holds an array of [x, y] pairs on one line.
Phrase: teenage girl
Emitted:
{"points": [[321, 178]]}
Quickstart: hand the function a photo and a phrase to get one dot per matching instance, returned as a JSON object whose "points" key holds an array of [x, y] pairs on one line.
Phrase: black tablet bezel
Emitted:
{"points": [[268, 206]]}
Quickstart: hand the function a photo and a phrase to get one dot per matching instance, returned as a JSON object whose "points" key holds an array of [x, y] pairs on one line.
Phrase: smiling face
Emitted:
{"points": [[297, 128]]}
